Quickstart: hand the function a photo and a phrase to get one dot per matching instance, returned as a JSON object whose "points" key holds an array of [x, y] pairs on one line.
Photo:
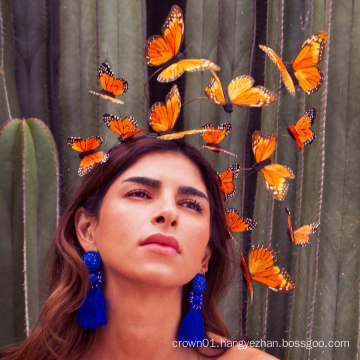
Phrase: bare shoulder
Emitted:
{"points": [[249, 353]]}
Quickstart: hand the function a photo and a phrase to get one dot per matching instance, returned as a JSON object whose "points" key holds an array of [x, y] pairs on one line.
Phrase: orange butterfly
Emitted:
{"points": [[301, 236], [214, 136], [240, 92], [274, 175], [88, 156], [302, 70], [301, 132], [164, 50], [125, 128], [261, 268], [111, 86], [226, 179], [237, 224], [162, 117]]}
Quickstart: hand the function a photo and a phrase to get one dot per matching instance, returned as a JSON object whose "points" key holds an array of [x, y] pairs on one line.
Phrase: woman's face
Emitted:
{"points": [[154, 222]]}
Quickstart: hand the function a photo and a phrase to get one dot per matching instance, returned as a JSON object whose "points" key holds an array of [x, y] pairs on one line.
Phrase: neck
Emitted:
{"points": [[141, 325]]}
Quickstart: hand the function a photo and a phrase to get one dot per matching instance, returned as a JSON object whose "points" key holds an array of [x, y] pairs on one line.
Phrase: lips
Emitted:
{"points": [[162, 241]]}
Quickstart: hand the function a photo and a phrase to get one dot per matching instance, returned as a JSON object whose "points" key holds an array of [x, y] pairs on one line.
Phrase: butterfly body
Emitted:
{"points": [[301, 236], [111, 86], [240, 92], [163, 50], [275, 176], [303, 70], [301, 132], [87, 154], [258, 166]]}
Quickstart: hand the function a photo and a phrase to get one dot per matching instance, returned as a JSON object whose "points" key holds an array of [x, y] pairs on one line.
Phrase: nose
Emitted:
{"points": [[166, 214]]}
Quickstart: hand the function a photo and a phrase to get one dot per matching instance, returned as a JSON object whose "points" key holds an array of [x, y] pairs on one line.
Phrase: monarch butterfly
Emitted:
{"points": [[226, 179], [125, 128], [261, 268], [214, 136], [274, 175], [162, 117], [164, 50], [237, 224], [111, 86], [88, 156], [302, 70], [240, 92], [301, 236], [301, 132]]}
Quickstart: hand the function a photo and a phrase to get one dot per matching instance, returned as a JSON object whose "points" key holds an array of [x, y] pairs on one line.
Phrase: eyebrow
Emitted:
{"points": [[183, 190]]}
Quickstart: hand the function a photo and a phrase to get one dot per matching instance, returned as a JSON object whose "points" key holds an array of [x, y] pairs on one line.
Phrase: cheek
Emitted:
{"points": [[198, 236]]}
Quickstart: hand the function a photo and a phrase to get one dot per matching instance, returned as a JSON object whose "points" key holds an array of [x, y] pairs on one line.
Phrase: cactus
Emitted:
{"points": [[325, 305], [29, 211]]}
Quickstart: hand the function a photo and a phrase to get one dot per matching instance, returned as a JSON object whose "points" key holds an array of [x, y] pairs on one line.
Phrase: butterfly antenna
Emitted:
{"points": [[198, 98], [187, 48], [106, 138], [225, 160], [278, 50], [147, 83], [279, 88]]}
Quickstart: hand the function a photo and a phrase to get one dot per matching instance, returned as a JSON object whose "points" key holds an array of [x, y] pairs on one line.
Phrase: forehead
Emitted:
{"points": [[166, 166]]}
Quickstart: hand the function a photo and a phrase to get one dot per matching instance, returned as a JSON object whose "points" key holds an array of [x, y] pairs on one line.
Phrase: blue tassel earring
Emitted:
{"points": [[91, 313], [192, 326]]}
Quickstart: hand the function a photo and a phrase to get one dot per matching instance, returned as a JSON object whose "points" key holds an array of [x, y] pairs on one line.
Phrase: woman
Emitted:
{"points": [[154, 213]]}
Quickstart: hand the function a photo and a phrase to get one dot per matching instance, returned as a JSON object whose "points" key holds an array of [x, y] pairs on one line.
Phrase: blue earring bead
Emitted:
{"points": [[92, 260], [192, 326], [92, 313]]}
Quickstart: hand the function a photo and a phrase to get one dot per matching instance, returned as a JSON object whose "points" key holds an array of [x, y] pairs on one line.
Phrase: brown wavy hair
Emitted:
{"points": [[57, 334]]}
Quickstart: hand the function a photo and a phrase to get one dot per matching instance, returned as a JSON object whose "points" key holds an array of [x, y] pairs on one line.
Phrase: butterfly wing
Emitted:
{"points": [[288, 82], [304, 134], [83, 145], [175, 70], [247, 276], [125, 128], [290, 229], [109, 83], [214, 90], [88, 162], [226, 179], [309, 76], [216, 135], [275, 177], [162, 117], [302, 235], [160, 49], [242, 93], [263, 145], [180, 134], [236, 223], [262, 268]]}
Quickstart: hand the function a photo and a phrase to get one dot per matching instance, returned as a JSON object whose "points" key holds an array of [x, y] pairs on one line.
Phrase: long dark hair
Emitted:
{"points": [[56, 334]]}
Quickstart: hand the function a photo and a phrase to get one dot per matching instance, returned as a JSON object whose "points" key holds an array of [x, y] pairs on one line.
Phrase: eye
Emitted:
{"points": [[138, 193], [193, 205]]}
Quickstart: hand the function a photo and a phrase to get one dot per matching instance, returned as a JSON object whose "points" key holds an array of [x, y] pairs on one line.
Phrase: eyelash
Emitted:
{"points": [[138, 192], [190, 203], [194, 205]]}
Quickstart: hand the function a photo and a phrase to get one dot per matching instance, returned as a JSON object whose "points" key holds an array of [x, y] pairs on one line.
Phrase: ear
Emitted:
{"points": [[205, 260], [85, 226]]}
